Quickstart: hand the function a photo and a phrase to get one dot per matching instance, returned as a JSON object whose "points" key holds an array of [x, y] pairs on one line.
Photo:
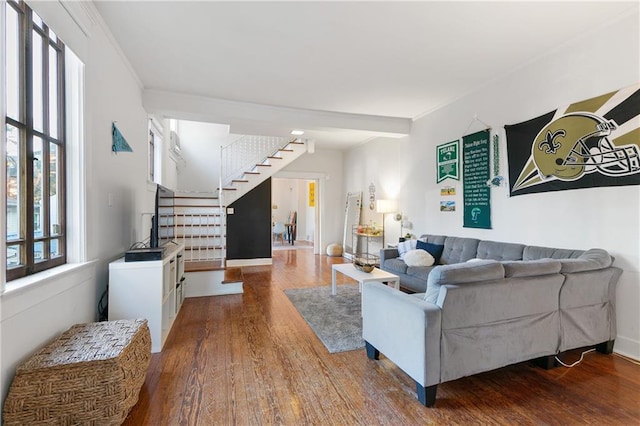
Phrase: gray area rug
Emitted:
{"points": [[336, 320]]}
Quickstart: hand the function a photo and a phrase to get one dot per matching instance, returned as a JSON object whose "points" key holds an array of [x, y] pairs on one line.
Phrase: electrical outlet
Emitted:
{"points": [[229, 210]]}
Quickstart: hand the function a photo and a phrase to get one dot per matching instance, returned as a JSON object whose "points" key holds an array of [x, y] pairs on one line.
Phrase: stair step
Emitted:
{"points": [[200, 206], [232, 275], [274, 157], [190, 197], [203, 265], [251, 172], [191, 248], [240, 180], [264, 165], [296, 143], [285, 150]]}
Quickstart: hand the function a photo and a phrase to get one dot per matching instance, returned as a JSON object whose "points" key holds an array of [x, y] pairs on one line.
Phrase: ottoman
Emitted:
{"points": [[91, 374]]}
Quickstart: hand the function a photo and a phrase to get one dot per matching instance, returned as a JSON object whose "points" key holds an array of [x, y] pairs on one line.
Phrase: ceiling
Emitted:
{"points": [[337, 63]]}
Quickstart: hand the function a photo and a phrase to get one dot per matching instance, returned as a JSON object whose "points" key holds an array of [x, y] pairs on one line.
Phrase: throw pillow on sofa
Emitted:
{"points": [[434, 250], [418, 258], [405, 246]]}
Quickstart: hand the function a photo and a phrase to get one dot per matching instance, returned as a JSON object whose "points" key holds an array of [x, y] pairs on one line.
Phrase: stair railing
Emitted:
{"points": [[245, 152]]}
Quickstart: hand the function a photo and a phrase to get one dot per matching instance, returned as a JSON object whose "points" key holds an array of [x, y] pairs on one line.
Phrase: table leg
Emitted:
{"points": [[396, 284], [333, 281]]}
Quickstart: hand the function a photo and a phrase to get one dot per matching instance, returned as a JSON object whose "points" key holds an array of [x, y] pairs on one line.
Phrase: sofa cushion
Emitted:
{"points": [[461, 273], [418, 258], [536, 252], [499, 251], [405, 246], [590, 260], [434, 250], [420, 272], [457, 250], [395, 266], [530, 268]]}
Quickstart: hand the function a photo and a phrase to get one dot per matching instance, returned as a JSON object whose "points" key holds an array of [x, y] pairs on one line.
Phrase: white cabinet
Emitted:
{"points": [[149, 289]]}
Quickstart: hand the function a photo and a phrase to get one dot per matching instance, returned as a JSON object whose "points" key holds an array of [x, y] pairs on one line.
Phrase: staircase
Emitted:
{"points": [[200, 217]]}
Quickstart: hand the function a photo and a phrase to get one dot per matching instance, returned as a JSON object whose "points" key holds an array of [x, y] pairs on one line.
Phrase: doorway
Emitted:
{"points": [[291, 195]]}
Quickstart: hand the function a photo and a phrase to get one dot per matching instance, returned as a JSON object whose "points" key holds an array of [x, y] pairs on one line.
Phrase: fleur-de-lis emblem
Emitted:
{"points": [[552, 146]]}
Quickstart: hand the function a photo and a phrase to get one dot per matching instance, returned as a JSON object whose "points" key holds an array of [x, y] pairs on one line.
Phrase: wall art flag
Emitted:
{"points": [[475, 173], [118, 142], [448, 161], [587, 144]]}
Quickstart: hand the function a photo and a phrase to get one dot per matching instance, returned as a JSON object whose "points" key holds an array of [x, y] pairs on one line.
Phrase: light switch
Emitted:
{"points": [[229, 210]]}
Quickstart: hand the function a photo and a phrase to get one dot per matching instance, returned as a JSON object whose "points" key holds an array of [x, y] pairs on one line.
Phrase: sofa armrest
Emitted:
{"points": [[388, 253], [405, 328]]}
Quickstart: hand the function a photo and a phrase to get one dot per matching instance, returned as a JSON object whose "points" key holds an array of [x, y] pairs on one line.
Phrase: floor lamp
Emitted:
{"points": [[385, 207]]}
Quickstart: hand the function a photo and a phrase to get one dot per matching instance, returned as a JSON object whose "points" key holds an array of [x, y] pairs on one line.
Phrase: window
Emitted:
{"points": [[35, 143]]}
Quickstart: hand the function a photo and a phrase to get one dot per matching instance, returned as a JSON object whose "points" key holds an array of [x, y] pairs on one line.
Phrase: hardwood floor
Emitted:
{"points": [[251, 359]]}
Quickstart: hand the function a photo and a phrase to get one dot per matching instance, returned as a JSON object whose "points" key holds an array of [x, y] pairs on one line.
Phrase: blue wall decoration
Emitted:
{"points": [[118, 144]]}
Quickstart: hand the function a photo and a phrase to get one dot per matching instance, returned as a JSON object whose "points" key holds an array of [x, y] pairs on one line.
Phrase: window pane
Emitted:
{"points": [[13, 256], [38, 251], [53, 36], [37, 82], [53, 92], [38, 189], [13, 184], [54, 182], [12, 58], [54, 248], [37, 20]]}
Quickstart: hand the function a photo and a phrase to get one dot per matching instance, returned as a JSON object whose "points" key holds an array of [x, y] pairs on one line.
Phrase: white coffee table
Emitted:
{"points": [[362, 277]]}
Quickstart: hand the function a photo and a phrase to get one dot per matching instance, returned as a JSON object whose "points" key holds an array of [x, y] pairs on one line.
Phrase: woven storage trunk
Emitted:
{"points": [[90, 375]]}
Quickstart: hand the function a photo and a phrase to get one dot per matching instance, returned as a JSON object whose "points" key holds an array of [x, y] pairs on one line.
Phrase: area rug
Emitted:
{"points": [[336, 320]]}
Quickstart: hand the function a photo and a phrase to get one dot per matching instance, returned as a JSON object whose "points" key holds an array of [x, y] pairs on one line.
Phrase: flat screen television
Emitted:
{"points": [[163, 222]]}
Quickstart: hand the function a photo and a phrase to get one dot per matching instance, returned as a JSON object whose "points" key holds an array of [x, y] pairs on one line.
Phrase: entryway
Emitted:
{"points": [[299, 196]]}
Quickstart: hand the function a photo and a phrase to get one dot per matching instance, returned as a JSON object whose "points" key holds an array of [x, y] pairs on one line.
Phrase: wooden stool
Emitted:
{"points": [[91, 374]]}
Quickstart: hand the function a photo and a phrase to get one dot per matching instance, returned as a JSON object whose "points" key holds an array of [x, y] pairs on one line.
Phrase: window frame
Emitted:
{"points": [[26, 238]]}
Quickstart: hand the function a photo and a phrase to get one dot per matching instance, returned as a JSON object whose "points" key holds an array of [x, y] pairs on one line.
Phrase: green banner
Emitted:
{"points": [[475, 174], [448, 161]]}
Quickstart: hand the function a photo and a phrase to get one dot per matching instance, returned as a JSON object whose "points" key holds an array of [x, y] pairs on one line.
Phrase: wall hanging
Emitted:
{"points": [[475, 173], [592, 143], [372, 196], [448, 161], [118, 142]]}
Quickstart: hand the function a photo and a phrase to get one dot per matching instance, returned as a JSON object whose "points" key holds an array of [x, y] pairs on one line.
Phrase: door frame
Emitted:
{"points": [[319, 179]]}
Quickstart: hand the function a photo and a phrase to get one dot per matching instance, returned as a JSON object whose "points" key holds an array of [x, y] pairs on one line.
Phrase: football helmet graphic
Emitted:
{"points": [[578, 143]]}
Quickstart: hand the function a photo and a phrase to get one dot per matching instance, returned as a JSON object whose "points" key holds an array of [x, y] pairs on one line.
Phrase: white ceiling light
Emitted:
{"points": [[297, 132]]}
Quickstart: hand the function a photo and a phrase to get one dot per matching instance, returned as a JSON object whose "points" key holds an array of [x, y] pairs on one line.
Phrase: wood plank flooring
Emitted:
{"points": [[251, 359]]}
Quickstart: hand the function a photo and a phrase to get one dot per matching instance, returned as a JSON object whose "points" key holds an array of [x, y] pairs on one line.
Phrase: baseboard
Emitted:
{"points": [[209, 283], [627, 347], [249, 262]]}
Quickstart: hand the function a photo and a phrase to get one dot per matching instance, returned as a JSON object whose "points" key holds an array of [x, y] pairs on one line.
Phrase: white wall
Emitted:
{"points": [[284, 194], [117, 193], [200, 146], [293, 194], [599, 217], [326, 166]]}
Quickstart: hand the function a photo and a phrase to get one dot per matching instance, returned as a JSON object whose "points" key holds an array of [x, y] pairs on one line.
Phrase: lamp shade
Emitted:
{"points": [[386, 206]]}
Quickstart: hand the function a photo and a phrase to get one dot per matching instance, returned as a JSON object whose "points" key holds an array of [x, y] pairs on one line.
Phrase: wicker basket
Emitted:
{"points": [[91, 374]]}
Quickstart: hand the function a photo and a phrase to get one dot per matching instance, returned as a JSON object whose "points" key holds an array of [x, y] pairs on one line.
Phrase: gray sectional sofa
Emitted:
{"points": [[486, 305]]}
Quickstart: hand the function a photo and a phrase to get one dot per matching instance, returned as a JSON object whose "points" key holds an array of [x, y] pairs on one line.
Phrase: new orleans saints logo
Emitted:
{"points": [[551, 146], [576, 144]]}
